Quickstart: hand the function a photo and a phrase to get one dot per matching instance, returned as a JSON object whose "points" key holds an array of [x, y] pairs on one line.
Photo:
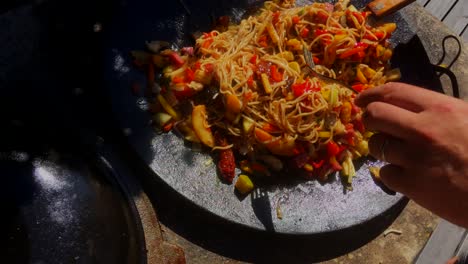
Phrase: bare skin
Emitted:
{"points": [[427, 146], [452, 261]]}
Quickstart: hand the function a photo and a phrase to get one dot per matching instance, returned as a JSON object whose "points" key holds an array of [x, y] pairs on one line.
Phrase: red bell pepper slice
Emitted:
{"points": [[358, 56], [187, 92], [208, 68], [379, 35], [248, 96], [361, 44], [168, 127], [360, 16], [208, 39], [326, 41], [250, 81], [358, 47], [319, 32], [318, 164], [189, 75], [333, 149], [334, 164], [210, 35], [263, 41], [269, 127], [305, 32], [207, 43], [259, 168], [316, 60], [197, 65], [296, 19], [253, 60], [369, 37], [178, 79], [358, 87], [300, 89], [349, 137], [176, 59], [276, 75], [321, 17], [276, 17]]}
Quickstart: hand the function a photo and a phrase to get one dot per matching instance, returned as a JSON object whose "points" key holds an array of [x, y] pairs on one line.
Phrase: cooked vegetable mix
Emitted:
{"points": [[245, 92]]}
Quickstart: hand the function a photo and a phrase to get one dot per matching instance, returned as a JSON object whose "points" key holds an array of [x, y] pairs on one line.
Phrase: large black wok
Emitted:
{"points": [[307, 207]]}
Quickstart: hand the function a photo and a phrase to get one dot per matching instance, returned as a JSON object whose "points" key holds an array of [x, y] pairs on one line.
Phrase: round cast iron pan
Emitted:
{"points": [[308, 207]]}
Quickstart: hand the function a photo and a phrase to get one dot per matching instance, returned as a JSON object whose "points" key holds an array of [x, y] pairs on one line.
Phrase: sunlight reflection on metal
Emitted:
{"points": [[119, 63], [46, 178]]}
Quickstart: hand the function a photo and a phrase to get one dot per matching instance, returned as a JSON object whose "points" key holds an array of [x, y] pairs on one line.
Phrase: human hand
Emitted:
{"points": [[424, 137]]}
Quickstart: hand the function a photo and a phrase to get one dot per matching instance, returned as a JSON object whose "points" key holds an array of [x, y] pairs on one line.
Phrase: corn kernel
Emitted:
{"points": [[290, 96], [368, 134], [294, 44], [266, 83], [308, 168], [287, 55], [168, 107], [272, 32], [369, 72], [295, 66], [360, 76], [245, 167], [387, 55], [324, 134], [244, 185], [340, 37], [375, 172], [363, 147], [388, 27]]}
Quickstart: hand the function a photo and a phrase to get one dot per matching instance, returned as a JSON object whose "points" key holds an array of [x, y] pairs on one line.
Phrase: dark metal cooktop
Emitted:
{"points": [[60, 205]]}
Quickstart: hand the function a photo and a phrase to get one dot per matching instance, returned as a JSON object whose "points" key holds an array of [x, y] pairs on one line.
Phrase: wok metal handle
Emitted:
{"points": [[382, 8], [441, 68], [453, 79]]}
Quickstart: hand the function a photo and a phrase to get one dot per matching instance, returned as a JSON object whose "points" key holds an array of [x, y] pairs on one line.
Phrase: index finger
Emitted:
{"points": [[391, 120], [409, 97]]}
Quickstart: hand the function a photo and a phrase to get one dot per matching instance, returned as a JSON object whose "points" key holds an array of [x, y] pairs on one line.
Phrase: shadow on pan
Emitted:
{"points": [[416, 68]]}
